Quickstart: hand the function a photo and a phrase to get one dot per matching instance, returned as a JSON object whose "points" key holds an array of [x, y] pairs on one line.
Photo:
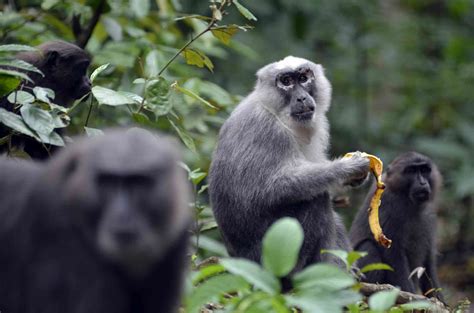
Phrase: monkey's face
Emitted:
{"points": [[413, 177], [298, 89], [127, 197]]}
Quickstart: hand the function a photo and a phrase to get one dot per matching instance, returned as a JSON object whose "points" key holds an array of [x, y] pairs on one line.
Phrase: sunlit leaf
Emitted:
{"points": [[111, 97], [281, 246], [8, 84], [244, 11], [224, 34], [195, 57], [376, 267], [98, 70]]}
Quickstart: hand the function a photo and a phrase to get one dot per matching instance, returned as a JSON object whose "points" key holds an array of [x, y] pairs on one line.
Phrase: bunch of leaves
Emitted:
{"points": [[240, 285]]}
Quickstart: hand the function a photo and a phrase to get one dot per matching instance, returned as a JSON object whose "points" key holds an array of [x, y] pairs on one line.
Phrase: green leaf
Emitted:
{"points": [[224, 34], [22, 65], [93, 132], [13, 73], [111, 97], [141, 8], [43, 94], [253, 273], [353, 256], [195, 57], [341, 254], [16, 123], [375, 267], [417, 305], [157, 94], [37, 119], [207, 272], [281, 246], [323, 301], [212, 289], [383, 300], [113, 28], [154, 61], [8, 83], [191, 94], [212, 245], [187, 140], [21, 97], [16, 48], [49, 4], [99, 70], [52, 138], [244, 11], [322, 276]]}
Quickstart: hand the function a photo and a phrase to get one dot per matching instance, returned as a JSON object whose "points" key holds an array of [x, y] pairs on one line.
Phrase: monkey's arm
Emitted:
{"points": [[306, 180], [399, 277]]}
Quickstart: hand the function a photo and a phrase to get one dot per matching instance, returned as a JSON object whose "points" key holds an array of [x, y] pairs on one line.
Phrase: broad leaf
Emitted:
{"points": [[16, 123], [37, 119], [111, 97], [21, 97], [383, 300], [8, 84], [224, 34], [253, 273], [281, 246], [195, 57], [323, 276]]}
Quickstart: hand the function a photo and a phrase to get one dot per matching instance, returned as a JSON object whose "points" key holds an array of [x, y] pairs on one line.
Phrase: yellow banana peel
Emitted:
{"points": [[376, 167]]}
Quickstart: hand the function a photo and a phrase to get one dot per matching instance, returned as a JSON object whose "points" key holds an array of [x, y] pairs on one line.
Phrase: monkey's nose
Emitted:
{"points": [[125, 237]]}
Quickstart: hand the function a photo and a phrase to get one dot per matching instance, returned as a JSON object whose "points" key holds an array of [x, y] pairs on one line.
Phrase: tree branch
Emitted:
{"points": [[403, 296], [83, 37]]}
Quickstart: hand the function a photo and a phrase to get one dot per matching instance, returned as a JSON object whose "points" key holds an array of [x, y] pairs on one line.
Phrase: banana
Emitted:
{"points": [[376, 167]]}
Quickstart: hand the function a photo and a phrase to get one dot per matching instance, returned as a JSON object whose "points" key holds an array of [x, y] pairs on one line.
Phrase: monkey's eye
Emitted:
{"points": [[286, 80], [302, 78]]}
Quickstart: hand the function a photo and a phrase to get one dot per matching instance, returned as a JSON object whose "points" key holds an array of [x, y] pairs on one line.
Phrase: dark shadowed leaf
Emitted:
{"points": [[212, 289]]}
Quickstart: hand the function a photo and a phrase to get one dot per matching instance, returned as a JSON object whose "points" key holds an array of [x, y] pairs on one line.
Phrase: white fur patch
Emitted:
{"points": [[290, 62]]}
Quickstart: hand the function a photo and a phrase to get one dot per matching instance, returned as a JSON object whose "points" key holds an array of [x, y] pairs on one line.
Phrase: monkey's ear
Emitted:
{"points": [[52, 58]]}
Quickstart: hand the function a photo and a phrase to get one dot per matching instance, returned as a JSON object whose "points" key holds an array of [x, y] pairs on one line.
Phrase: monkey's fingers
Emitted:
{"points": [[376, 167]]}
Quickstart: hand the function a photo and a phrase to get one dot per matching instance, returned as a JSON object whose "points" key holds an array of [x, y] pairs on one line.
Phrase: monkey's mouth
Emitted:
{"points": [[421, 195], [303, 115]]}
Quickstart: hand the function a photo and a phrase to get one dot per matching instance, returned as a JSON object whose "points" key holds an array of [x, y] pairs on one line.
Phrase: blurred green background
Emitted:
{"points": [[402, 74]]}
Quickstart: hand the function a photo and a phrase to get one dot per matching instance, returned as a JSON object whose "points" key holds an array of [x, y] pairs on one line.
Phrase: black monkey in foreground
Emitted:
{"points": [[64, 66], [101, 227], [270, 162], [408, 217]]}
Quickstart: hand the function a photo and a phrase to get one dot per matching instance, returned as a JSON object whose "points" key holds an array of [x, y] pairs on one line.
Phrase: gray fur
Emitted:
{"points": [[268, 165]]}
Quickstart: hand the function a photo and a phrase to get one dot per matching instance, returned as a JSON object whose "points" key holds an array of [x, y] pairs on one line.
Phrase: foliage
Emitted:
{"points": [[240, 285], [401, 71]]}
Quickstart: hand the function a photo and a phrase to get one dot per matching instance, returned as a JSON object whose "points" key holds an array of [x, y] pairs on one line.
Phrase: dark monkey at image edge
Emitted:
{"points": [[408, 217], [270, 162], [64, 67], [100, 227]]}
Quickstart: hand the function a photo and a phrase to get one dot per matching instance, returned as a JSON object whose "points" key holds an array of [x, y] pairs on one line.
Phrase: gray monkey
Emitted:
{"points": [[270, 162]]}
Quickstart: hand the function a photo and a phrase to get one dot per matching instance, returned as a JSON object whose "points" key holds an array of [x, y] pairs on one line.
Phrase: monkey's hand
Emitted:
{"points": [[358, 169]]}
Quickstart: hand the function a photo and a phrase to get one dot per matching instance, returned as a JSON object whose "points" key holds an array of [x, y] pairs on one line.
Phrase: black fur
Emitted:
{"points": [[101, 227], [64, 66], [407, 216]]}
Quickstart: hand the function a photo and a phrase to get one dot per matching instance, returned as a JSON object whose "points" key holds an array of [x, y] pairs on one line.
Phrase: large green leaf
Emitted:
{"points": [[253, 273], [8, 83], [21, 97], [111, 97], [14, 73], [244, 11], [212, 289], [281, 246], [37, 119], [383, 300], [16, 123], [141, 8], [322, 276], [16, 48], [20, 64], [323, 301]]}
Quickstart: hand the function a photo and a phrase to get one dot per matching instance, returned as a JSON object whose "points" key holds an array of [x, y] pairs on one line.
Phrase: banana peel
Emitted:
{"points": [[376, 167]]}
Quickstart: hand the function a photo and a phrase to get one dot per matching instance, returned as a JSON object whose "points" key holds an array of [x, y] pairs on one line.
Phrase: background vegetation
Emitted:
{"points": [[402, 72]]}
